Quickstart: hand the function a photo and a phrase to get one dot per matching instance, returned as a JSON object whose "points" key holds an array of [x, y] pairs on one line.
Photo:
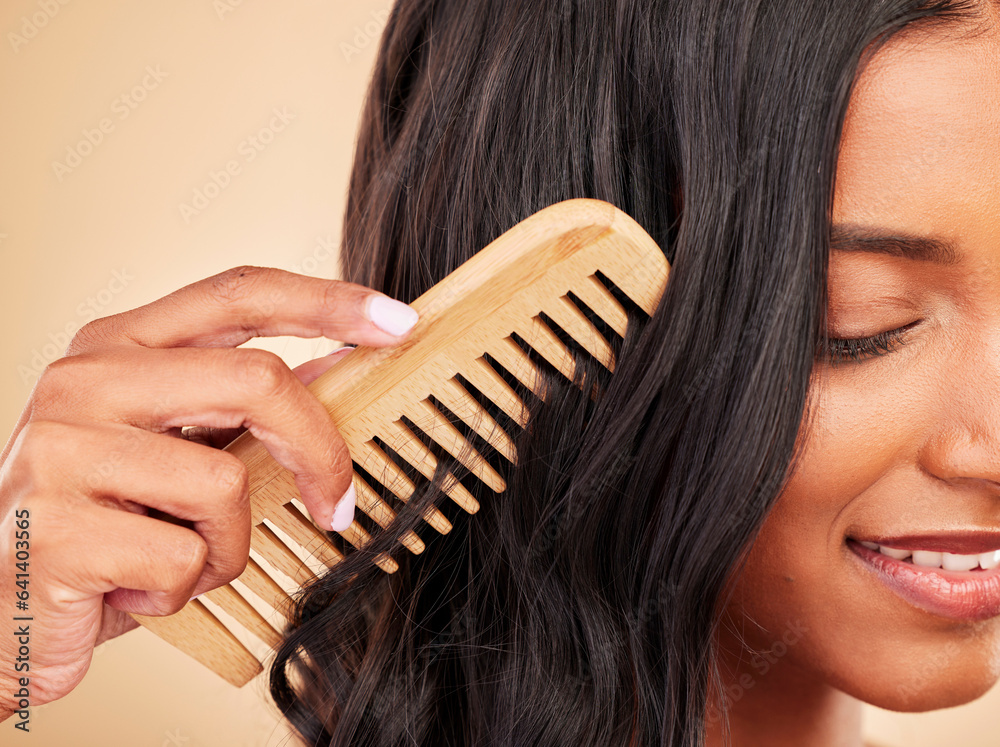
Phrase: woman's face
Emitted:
{"points": [[904, 448]]}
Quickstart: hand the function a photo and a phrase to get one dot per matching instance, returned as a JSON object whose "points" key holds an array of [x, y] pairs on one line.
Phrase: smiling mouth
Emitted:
{"points": [[931, 559], [955, 586]]}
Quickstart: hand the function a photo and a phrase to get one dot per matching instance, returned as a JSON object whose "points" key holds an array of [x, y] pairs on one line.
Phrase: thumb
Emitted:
{"points": [[312, 370]]}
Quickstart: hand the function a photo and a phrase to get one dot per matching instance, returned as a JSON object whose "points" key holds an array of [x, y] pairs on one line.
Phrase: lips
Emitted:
{"points": [[957, 595], [948, 561], [959, 543]]}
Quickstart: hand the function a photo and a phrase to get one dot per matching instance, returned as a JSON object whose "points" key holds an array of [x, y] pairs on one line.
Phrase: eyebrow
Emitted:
{"points": [[849, 238]]}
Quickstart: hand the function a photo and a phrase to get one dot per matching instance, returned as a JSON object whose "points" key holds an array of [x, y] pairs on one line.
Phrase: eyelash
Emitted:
{"points": [[862, 348]]}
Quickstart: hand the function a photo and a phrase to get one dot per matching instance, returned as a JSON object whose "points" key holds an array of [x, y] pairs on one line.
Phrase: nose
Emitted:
{"points": [[964, 445], [962, 456]]}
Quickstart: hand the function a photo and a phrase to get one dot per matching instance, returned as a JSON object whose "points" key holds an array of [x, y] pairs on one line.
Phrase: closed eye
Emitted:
{"points": [[858, 349]]}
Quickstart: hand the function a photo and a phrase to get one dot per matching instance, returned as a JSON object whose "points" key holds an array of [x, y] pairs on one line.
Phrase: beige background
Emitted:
{"points": [[108, 233]]}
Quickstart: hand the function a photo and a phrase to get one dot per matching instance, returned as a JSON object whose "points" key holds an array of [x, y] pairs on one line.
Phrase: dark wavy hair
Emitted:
{"points": [[579, 606]]}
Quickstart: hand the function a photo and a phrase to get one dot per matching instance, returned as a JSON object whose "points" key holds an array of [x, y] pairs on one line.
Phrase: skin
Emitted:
{"points": [[908, 443], [99, 449], [903, 444]]}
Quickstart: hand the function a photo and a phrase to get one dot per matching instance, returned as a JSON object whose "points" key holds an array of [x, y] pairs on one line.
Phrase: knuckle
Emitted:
{"points": [[230, 475], [37, 442], [262, 371], [336, 298], [54, 380], [62, 384], [88, 336], [97, 333], [236, 284], [38, 437], [252, 293]]}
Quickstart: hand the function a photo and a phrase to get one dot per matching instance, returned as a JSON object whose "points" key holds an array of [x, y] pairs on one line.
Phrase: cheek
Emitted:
{"points": [[800, 575], [851, 444]]}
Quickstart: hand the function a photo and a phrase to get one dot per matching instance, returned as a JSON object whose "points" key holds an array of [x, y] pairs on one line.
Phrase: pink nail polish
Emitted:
{"points": [[343, 515], [391, 316]]}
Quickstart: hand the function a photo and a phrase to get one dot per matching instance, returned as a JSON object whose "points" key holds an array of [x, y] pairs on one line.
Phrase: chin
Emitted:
{"points": [[943, 677]]}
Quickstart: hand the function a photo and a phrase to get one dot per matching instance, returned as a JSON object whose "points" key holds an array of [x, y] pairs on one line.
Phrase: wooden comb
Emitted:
{"points": [[501, 291]]}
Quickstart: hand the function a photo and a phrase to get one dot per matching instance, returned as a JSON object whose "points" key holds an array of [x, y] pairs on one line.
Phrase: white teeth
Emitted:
{"points": [[949, 561], [990, 559], [927, 559], [952, 562], [892, 552]]}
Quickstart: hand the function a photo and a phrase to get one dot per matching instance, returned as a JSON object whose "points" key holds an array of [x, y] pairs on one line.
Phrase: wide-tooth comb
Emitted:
{"points": [[474, 312]]}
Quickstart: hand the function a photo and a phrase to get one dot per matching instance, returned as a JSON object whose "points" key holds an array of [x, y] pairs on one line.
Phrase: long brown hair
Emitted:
{"points": [[578, 607]]}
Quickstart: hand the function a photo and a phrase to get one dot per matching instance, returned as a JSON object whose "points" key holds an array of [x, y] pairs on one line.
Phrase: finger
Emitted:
{"points": [[307, 373], [137, 563], [156, 390], [246, 302], [108, 462], [114, 624]]}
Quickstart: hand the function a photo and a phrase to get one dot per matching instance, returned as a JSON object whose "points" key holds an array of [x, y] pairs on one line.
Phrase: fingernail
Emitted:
{"points": [[343, 515], [340, 350], [195, 597], [391, 316]]}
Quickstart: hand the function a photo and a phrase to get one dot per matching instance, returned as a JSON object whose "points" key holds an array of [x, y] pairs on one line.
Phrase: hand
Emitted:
{"points": [[130, 424]]}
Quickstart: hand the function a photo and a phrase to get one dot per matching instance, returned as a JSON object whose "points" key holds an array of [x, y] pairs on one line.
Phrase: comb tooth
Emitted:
{"points": [[443, 431], [261, 584], [233, 602], [412, 449], [372, 504], [551, 348], [483, 376], [382, 514], [357, 536], [593, 293], [464, 405], [576, 324], [376, 463], [270, 546], [652, 274], [293, 523], [510, 355], [200, 634]]}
